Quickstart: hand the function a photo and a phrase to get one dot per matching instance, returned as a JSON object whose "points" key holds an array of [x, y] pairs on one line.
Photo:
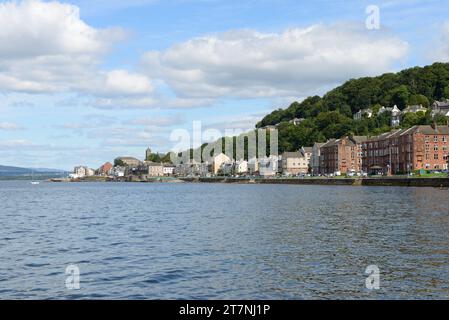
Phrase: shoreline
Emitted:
{"points": [[356, 182], [362, 182]]}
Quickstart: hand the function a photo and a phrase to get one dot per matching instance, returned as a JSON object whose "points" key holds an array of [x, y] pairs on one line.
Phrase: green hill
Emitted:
{"points": [[331, 116]]}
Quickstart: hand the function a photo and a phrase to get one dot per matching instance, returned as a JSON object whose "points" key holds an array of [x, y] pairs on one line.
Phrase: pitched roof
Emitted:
{"points": [[330, 143], [359, 139], [296, 154], [308, 149]]}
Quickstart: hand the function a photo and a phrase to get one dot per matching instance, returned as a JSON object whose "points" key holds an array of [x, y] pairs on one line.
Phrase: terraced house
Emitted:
{"points": [[407, 150], [342, 156]]}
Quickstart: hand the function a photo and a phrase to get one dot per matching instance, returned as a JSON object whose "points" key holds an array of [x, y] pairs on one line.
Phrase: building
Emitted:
{"points": [[268, 166], [342, 156], [440, 108], [315, 158], [376, 156], [296, 121], [241, 167], [253, 166], [193, 168], [148, 153], [307, 152], [407, 150], [80, 171], [227, 168], [218, 161], [395, 117], [129, 161], [294, 163], [105, 169], [365, 112], [414, 109], [384, 109], [156, 170], [118, 171]]}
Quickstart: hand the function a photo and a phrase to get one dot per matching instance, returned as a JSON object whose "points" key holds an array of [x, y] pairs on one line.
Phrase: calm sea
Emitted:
{"points": [[220, 241]]}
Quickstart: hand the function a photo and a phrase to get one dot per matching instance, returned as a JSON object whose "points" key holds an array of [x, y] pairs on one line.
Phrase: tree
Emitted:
{"points": [[400, 96], [446, 92], [419, 99], [119, 163]]}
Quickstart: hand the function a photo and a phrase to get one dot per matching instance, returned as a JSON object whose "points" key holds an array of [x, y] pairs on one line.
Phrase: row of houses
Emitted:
{"points": [[397, 152], [437, 108]]}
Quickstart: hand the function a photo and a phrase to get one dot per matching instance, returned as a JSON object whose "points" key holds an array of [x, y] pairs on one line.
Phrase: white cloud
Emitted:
{"points": [[246, 63], [159, 121], [47, 48], [440, 51], [9, 126], [148, 102], [123, 82], [17, 143]]}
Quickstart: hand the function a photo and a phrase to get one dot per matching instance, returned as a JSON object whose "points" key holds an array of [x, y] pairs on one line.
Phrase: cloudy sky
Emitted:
{"points": [[82, 82]]}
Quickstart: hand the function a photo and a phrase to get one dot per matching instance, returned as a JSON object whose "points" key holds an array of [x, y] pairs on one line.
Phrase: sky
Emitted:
{"points": [[83, 82]]}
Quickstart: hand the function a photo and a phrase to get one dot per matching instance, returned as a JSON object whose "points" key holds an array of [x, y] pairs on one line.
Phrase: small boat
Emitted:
{"points": [[34, 183]]}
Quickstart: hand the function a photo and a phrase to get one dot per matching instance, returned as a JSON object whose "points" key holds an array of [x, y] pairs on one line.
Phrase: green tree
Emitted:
{"points": [[119, 163]]}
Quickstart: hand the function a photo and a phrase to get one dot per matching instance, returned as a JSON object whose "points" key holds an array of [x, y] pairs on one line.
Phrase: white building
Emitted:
{"points": [[118, 172], [253, 166], [396, 116], [365, 112], [80, 171], [414, 109], [269, 166], [241, 167], [218, 161]]}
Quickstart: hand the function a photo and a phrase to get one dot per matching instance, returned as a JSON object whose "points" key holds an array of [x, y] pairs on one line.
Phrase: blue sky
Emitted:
{"points": [[82, 82]]}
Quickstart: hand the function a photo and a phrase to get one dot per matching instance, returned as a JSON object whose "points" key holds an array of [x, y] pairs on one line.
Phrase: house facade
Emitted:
{"points": [[342, 156], [406, 150], [315, 163], [156, 170], [440, 108], [218, 161], [269, 166], [295, 163]]}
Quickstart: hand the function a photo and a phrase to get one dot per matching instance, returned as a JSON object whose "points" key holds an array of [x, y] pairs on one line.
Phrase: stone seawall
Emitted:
{"points": [[393, 182]]}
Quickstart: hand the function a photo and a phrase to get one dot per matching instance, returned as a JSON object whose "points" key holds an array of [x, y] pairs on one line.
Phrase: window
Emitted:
{"points": [[435, 138], [444, 139], [435, 156], [435, 147]]}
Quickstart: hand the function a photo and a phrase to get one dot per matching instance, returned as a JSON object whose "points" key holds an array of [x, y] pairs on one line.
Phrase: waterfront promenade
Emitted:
{"points": [[381, 181]]}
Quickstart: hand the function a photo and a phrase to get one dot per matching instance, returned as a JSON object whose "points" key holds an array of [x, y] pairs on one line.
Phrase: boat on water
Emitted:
{"points": [[33, 182]]}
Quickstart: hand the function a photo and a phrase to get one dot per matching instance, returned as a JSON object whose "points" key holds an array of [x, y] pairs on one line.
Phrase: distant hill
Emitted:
{"points": [[8, 171]]}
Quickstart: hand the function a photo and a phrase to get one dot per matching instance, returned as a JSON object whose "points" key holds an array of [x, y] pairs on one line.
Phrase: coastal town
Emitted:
{"points": [[418, 150]]}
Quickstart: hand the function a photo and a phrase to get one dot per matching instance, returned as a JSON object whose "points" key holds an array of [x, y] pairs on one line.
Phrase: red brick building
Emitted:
{"points": [[406, 150], [342, 155], [106, 168]]}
